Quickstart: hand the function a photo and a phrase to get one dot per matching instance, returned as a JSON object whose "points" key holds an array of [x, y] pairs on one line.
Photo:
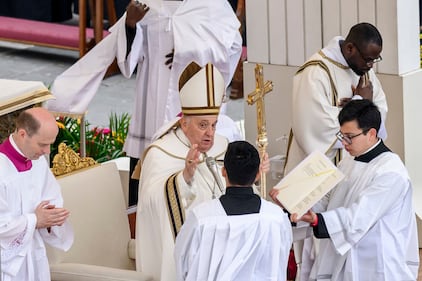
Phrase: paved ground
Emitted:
{"points": [[26, 62]]}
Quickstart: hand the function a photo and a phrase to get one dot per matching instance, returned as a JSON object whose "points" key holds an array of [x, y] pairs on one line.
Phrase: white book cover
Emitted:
{"points": [[307, 183]]}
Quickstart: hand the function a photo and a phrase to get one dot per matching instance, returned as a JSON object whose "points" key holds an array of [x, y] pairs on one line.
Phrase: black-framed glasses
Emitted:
{"points": [[369, 61], [348, 138]]}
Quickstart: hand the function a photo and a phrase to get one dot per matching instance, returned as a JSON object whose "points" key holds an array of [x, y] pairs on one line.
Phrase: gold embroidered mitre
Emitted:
{"points": [[201, 90]]}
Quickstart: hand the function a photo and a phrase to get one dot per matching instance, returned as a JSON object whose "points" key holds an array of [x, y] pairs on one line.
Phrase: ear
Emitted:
{"points": [[349, 48], [258, 176], [223, 172], [183, 123], [21, 133], [373, 133]]}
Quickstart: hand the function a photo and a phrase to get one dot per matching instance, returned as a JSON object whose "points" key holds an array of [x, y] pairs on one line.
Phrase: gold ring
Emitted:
{"points": [[190, 161]]}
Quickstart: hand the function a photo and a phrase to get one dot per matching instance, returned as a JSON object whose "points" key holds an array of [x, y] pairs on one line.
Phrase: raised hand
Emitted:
{"points": [[135, 12], [192, 160]]}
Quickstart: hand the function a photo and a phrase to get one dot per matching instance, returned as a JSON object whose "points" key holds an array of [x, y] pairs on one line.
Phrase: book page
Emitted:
{"points": [[307, 183]]}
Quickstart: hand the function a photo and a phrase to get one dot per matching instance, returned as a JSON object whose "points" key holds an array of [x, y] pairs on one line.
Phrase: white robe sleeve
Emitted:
{"points": [[60, 237], [128, 64], [347, 226], [76, 86]]}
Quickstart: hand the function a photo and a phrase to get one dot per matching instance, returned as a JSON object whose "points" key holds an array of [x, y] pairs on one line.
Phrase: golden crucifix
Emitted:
{"points": [[257, 96]]}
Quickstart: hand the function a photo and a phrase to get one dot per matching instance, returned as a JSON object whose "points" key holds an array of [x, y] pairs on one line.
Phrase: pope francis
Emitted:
{"points": [[174, 175]]}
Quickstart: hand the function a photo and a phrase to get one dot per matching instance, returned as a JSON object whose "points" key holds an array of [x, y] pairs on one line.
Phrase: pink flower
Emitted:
{"points": [[106, 131]]}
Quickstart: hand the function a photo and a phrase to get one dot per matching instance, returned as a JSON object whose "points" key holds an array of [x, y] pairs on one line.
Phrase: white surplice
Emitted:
{"points": [[214, 246], [371, 223], [315, 119], [197, 30], [23, 253], [154, 237]]}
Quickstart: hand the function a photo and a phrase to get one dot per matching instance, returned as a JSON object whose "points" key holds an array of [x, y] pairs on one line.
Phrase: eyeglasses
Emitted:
{"points": [[369, 61], [348, 138]]}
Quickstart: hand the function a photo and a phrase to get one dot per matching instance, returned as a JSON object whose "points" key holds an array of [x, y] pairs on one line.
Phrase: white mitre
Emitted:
{"points": [[201, 92]]}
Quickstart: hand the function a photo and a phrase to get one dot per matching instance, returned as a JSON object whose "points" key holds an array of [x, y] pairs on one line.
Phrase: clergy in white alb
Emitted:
{"points": [[340, 71], [26, 186], [238, 236], [366, 225], [213, 245]]}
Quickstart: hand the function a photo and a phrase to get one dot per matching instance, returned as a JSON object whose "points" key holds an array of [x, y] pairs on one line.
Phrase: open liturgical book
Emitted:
{"points": [[307, 183]]}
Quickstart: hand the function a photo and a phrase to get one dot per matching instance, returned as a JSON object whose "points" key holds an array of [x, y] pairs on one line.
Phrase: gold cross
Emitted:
{"points": [[257, 96]]}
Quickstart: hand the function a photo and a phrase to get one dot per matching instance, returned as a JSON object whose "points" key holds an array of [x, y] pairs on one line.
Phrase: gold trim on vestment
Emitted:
{"points": [[336, 63], [334, 101], [176, 211], [210, 85], [321, 64], [201, 110]]}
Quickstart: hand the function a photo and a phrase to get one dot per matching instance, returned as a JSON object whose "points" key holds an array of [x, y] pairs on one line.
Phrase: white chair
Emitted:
{"points": [[102, 249]]}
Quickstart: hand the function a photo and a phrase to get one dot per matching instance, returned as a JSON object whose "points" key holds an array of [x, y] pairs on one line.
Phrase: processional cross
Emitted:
{"points": [[257, 96]]}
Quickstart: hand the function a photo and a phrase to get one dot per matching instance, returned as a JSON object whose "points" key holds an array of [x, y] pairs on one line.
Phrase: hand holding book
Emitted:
{"points": [[307, 183]]}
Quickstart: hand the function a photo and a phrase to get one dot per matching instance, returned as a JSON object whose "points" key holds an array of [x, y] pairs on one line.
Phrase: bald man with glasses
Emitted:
{"points": [[339, 72]]}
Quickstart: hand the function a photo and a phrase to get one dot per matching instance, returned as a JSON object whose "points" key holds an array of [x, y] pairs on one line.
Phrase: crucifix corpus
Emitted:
{"points": [[257, 97]]}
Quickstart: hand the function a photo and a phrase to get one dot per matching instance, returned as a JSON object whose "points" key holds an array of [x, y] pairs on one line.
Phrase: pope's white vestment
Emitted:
{"points": [[162, 167], [314, 119], [371, 223], [214, 246], [23, 253]]}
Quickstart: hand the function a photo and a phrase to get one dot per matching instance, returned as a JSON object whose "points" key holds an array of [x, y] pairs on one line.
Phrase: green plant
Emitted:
{"points": [[102, 144]]}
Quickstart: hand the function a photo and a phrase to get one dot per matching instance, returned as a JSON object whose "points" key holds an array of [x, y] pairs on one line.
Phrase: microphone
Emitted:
{"points": [[212, 166]]}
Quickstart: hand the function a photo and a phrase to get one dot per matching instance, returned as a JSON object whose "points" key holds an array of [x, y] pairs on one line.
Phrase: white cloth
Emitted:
{"points": [[23, 254], [371, 223], [154, 238], [198, 30], [314, 118], [214, 246], [228, 128]]}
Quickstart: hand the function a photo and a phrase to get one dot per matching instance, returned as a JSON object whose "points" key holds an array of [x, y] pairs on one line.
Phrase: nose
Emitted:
{"points": [[210, 131], [46, 150]]}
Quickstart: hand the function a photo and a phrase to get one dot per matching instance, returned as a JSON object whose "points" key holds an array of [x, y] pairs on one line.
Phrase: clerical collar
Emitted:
{"points": [[239, 190], [11, 150], [373, 152], [240, 200]]}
